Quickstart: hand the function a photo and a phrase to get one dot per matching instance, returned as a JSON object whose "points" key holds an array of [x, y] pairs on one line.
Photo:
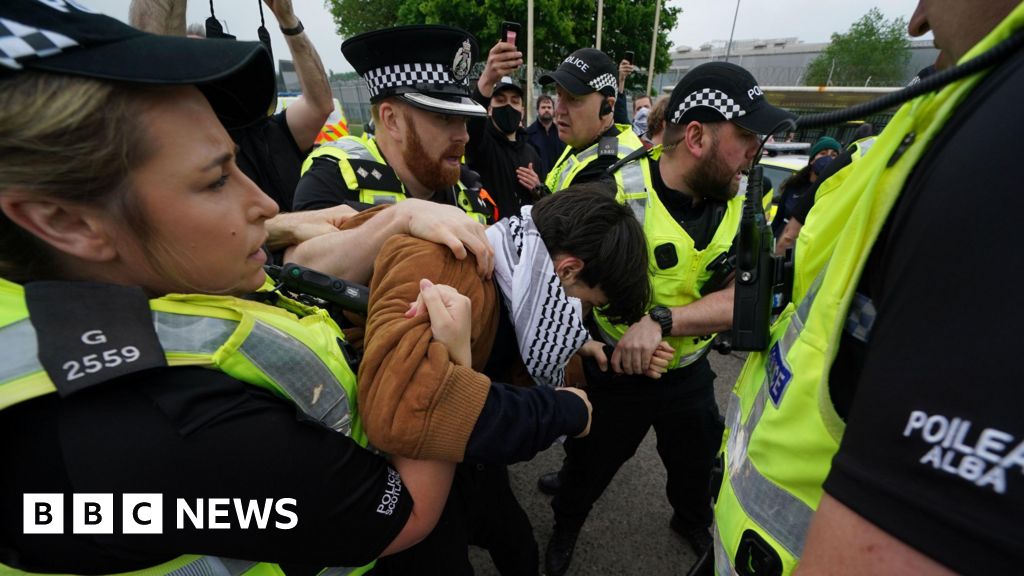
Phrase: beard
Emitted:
{"points": [[432, 173], [712, 179], [547, 116]]}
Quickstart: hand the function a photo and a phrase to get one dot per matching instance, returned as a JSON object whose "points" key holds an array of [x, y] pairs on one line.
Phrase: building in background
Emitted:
{"points": [[773, 61]]}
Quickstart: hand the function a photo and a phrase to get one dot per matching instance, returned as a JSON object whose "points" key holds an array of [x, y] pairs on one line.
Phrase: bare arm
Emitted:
{"points": [[429, 482], [350, 253], [158, 16], [503, 60], [840, 541], [710, 314], [293, 228], [307, 114], [788, 238]]}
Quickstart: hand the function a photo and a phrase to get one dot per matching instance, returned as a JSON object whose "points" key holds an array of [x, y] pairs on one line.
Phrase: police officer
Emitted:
{"points": [[690, 212], [420, 100], [118, 187], [879, 434], [586, 86]]}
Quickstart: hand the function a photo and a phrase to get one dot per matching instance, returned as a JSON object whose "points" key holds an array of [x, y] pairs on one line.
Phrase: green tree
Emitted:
{"points": [[561, 26], [352, 17], [875, 52]]}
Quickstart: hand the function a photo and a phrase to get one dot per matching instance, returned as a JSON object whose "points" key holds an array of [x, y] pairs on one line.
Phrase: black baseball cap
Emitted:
{"points": [[508, 83], [68, 38], [584, 71], [719, 91], [427, 66]]}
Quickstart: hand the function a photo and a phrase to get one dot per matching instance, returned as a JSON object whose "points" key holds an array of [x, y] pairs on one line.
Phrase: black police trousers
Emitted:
{"points": [[680, 406]]}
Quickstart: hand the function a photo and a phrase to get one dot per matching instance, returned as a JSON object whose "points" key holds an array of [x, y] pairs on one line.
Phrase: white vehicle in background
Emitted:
{"points": [[780, 161], [336, 126]]}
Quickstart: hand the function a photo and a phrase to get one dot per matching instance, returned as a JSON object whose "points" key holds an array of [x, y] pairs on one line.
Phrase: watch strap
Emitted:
{"points": [[293, 31], [663, 316]]}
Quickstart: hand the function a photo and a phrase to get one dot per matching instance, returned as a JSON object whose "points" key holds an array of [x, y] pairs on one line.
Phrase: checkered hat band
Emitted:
{"points": [[399, 75], [19, 43], [711, 98], [603, 81]]}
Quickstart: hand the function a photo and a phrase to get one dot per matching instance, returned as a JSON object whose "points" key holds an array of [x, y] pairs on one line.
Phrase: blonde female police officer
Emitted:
{"points": [[128, 230]]}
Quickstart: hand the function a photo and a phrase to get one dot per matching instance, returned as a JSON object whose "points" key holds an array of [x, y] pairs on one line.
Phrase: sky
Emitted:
{"points": [[701, 20]]}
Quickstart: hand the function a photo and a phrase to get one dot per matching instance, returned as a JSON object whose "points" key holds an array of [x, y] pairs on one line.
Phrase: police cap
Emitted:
{"points": [[426, 65]]}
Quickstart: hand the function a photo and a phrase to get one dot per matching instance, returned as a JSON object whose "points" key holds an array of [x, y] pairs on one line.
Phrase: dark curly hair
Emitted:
{"points": [[587, 222]]}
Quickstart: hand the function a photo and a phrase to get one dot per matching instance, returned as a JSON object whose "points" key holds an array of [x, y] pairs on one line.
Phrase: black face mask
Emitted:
{"points": [[506, 118]]}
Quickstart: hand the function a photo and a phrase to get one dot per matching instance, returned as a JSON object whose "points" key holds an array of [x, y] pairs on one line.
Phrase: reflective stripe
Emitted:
{"points": [[790, 335], [292, 365], [693, 357], [782, 515], [353, 149], [723, 565], [19, 351], [570, 163], [785, 517], [632, 185], [212, 566], [863, 147], [301, 373], [192, 334], [377, 199]]}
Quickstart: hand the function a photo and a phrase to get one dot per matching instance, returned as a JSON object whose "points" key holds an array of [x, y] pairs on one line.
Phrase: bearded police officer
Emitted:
{"points": [[419, 94], [690, 212]]}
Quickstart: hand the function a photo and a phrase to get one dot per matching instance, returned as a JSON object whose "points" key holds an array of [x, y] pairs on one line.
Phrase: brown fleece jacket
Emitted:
{"points": [[413, 400]]}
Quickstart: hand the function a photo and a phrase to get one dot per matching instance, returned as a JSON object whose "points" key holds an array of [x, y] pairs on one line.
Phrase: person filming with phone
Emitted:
{"points": [[510, 168]]}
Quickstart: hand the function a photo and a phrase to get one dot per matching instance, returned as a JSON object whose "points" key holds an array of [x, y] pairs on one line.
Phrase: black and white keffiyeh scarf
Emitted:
{"points": [[548, 323]]}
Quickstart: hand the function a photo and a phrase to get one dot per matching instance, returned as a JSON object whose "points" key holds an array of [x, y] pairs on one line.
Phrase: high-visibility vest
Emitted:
{"points": [[782, 429], [369, 179], [679, 284], [629, 179], [290, 349], [828, 213]]}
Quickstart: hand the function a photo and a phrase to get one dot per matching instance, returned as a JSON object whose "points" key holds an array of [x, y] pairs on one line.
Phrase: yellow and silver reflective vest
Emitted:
{"points": [[628, 179], [363, 168], [782, 427], [680, 283], [828, 214], [290, 349]]}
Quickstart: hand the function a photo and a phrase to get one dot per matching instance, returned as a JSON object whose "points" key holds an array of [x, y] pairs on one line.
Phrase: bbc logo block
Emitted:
{"points": [[92, 514]]}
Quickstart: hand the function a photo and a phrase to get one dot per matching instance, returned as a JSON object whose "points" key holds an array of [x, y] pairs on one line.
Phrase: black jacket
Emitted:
{"points": [[495, 158]]}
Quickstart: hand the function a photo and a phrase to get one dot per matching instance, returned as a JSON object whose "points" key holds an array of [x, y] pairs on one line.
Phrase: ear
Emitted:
{"points": [[74, 230], [693, 136], [390, 120], [568, 268]]}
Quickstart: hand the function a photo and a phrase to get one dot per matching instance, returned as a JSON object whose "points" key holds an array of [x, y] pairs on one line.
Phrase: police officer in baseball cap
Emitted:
{"points": [[688, 204]]}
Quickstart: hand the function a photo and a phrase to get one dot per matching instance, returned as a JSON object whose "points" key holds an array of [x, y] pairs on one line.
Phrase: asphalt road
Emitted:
{"points": [[627, 533]]}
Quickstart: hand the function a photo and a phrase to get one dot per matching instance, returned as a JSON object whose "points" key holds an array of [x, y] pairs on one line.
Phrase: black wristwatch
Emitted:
{"points": [[662, 316], [293, 31]]}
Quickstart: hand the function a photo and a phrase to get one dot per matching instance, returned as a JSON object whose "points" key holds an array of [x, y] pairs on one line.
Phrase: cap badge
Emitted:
{"points": [[463, 61]]}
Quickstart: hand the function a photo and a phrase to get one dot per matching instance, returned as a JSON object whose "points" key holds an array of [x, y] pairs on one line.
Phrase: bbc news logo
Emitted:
{"points": [[144, 514]]}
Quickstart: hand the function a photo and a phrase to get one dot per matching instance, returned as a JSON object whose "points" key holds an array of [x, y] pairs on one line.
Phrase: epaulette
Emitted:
{"points": [[608, 146], [372, 175]]}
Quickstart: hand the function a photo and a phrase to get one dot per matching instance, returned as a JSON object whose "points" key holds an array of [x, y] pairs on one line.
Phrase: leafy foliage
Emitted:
{"points": [[560, 26], [874, 51]]}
